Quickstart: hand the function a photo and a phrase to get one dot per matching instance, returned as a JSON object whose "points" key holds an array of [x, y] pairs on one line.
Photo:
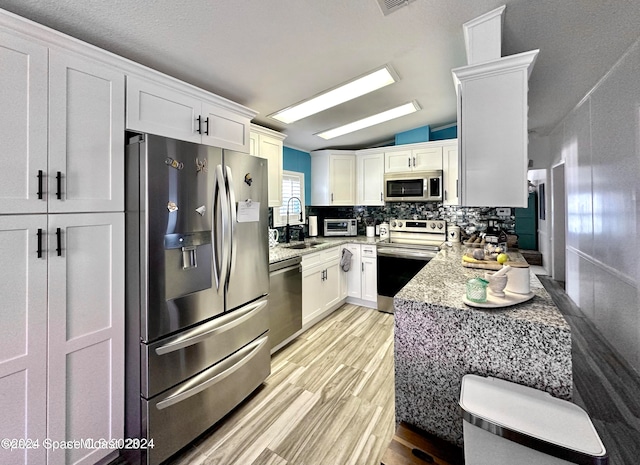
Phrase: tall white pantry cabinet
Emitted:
{"points": [[61, 249]]}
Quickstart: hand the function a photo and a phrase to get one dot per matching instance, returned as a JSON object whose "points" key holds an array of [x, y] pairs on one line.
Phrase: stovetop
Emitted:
{"points": [[424, 234]]}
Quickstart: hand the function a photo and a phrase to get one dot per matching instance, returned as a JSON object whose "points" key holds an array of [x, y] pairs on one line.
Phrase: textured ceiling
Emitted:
{"points": [[269, 54]]}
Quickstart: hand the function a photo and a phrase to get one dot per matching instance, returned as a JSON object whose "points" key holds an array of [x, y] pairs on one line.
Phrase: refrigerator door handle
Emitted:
{"points": [[220, 191], [232, 235], [216, 326], [195, 386]]}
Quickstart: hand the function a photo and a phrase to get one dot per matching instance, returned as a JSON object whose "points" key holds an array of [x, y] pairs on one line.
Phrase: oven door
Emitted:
{"points": [[396, 267]]}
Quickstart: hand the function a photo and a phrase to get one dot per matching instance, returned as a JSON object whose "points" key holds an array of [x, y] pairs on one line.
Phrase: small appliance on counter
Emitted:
{"points": [[313, 226], [340, 227]]}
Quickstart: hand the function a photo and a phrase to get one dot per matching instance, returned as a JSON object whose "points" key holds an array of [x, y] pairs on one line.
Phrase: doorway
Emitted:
{"points": [[558, 223]]}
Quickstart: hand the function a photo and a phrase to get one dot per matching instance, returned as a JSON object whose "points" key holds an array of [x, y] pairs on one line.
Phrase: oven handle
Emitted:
{"points": [[404, 253], [216, 326]]}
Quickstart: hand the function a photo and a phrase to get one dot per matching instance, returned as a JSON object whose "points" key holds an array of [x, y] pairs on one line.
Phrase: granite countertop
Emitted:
{"points": [[283, 251], [438, 339], [443, 282]]}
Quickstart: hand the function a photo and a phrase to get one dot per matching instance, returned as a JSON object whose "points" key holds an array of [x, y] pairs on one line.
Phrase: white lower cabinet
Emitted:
{"points": [[86, 332], [321, 285], [62, 338], [362, 275]]}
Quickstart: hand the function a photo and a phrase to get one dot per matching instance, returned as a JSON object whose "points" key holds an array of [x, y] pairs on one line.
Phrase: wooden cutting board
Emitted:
{"points": [[515, 260]]}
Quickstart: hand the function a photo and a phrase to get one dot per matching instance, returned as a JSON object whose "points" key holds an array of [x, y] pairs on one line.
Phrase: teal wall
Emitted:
{"points": [[297, 160], [413, 136], [425, 134], [442, 134]]}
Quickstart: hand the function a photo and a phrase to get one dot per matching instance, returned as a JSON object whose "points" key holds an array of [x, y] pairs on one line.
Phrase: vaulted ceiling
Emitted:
{"points": [[270, 54]]}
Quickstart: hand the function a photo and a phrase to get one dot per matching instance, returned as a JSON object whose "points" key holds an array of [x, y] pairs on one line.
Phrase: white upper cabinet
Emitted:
{"points": [[23, 125], [86, 135], [268, 144], [370, 174], [450, 174], [419, 157], [492, 131], [63, 124], [171, 110], [333, 178]]}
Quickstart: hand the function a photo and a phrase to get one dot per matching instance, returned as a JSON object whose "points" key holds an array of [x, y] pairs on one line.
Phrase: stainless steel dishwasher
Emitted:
{"points": [[285, 299]]}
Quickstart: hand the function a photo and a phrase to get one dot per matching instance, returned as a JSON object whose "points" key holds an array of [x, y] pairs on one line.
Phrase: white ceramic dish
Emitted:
{"points": [[510, 298]]}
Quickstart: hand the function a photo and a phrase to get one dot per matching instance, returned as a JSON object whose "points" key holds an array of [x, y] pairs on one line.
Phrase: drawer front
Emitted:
{"points": [[183, 413], [181, 356], [311, 259], [331, 253], [368, 251]]}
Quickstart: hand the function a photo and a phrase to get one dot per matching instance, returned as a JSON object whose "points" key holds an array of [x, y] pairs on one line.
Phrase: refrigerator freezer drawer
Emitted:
{"points": [[174, 359], [179, 415]]}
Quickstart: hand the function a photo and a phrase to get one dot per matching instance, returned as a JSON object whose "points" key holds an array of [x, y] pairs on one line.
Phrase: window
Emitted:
{"points": [[292, 186]]}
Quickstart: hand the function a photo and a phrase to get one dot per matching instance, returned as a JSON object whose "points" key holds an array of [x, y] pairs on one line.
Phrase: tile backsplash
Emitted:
{"points": [[469, 219]]}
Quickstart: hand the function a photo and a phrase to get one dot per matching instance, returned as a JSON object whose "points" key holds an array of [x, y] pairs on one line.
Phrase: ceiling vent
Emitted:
{"points": [[389, 6]]}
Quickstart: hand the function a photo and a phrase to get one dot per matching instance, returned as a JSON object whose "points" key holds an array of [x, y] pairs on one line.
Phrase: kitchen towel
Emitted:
{"points": [[313, 226], [345, 261]]}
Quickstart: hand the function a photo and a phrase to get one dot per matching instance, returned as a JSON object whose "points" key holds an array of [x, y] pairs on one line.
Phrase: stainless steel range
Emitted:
{"points": [[411, 244]]}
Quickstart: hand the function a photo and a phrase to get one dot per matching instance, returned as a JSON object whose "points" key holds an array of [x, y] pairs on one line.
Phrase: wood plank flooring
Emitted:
{"points": [[604, 384], [329, 400]]}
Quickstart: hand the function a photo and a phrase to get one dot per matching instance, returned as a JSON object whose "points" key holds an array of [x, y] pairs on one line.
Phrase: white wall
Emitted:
{"points": [[599, 141]]}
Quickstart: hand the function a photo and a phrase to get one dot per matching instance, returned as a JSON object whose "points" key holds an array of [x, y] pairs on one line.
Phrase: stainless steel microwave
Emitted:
{"points": [[417, 186], [340, 227]]}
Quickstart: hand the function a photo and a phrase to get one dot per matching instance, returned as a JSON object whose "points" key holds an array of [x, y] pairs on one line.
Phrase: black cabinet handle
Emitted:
{"points": [[40, 179], [58, 185], [414, 162], [409, 160], [39, 243], [199, 120], [457, 194], [59, 242], [206, 131]]}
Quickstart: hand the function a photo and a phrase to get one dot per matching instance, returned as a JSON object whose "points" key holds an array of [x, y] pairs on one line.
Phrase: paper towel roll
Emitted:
{"points": [[313, 226]]}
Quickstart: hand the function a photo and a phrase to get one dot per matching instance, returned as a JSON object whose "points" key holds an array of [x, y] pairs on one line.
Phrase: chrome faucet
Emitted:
{"points": [[288, 227]]}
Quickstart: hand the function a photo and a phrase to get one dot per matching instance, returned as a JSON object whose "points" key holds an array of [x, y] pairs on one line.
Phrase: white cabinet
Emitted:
{"points": [[23, 128], [333, 178], [86, 331], [86, 135], [450, 174], [62, 273], [425, 157], [268, 144], [369, 268], [362, 276], [173, 111], [370, 178], [23, 335], [321, 285], [492, 131], [354, 275], [66, 143]]}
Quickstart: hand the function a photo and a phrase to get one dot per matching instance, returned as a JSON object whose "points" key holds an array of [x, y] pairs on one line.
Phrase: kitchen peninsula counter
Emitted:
{"points": [[439, 339]]}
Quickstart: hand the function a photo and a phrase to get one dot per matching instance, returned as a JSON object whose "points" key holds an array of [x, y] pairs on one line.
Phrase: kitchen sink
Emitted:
{"points": [[305, 245]]}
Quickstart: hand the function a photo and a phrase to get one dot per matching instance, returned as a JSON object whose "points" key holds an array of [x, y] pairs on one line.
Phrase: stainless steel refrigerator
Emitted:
{"points": [[197, 285]]}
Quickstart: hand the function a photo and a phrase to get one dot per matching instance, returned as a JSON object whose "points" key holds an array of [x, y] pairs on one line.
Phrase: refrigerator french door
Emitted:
{"points": [[197, 285]]}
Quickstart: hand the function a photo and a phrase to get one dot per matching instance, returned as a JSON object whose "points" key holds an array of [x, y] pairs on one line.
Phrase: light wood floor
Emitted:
{"points": [[329, 400]]}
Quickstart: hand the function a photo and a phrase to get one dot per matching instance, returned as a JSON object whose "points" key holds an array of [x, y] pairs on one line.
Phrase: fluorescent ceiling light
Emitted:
{"points": [[360, 86], [402, 110]]}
